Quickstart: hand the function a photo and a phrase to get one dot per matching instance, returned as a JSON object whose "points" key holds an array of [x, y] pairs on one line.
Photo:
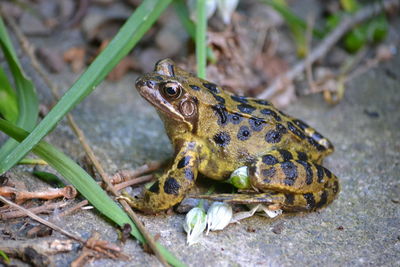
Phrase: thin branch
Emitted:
{"points": [[47, 208], [346, 25], [138, 180], [42, 221]]}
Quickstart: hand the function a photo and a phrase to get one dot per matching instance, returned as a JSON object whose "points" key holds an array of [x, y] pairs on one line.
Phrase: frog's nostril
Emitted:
{"points": [[150, 84]]}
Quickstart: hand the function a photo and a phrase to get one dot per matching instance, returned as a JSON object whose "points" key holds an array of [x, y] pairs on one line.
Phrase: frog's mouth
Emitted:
{"points": [[148, 91]]}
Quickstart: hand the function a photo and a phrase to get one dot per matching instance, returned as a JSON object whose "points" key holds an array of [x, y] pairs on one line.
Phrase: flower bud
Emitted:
{"points": [[211, 6], [219, 215], [226, 8], [240, 178], [195, 224]]}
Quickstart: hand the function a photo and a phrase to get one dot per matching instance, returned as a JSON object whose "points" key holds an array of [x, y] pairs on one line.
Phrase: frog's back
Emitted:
{"points": [[245, 128]]}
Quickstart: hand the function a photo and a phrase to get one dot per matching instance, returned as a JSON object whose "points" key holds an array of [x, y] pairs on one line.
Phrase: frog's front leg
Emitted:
{"points": [[298, 183], [172, 186]]}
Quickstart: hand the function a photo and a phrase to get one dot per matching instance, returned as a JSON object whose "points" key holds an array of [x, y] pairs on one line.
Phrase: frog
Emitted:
{"points": [[214, 132]]}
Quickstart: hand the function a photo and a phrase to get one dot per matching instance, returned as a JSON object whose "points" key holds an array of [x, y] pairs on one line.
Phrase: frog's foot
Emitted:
{"points": [[302, 185]]}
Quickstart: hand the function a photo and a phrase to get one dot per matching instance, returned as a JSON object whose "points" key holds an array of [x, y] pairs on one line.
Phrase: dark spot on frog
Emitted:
{"points": [[323, 199], [155, 188], [184, 162], [289, 199], [222, 139], [195, 87], [327, 172], [315, 144], [272, 113], [286, 155], [262, 102], [212, 87], [245, 108], [220, 99], [243, 133], [273, 137], [280, 128], [371, 114], [235, 118], [256, 124], [268, 173], [320, 173], [221, 112], [290, 171], [309, 197], [171, 186], [269, 159], [188, 174], [240, 99], [302, 156], [308, 169], [301, 124], [296, 131]]}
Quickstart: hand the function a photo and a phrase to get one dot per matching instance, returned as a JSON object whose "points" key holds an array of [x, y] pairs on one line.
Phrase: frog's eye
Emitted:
{"points": [[171, 90]]}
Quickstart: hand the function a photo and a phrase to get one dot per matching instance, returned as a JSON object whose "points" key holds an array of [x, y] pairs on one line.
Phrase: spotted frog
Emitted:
{"points": [[215, 132]]}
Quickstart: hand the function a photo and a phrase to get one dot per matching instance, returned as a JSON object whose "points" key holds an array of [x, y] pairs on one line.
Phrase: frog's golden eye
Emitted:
{"points": [[171, 90]]}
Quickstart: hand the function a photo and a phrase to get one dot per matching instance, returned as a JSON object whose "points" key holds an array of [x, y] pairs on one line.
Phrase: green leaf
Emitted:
{"points": [[28, 105], [8, 99], [291, 18], [82, 181], [201, 45], [5, 257], [49, 178], [190, 27], [127, 37]]}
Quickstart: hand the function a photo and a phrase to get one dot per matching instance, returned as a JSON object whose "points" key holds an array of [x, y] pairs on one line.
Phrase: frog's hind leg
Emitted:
{"points": [[172, 186], [301, 185]]}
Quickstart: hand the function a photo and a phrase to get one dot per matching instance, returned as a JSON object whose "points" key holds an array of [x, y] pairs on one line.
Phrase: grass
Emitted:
{"points": [[201, 45]]}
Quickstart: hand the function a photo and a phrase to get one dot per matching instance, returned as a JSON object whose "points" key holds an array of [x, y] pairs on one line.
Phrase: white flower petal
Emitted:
{"points": [[226, 8], [219, 215], [195, 224]]}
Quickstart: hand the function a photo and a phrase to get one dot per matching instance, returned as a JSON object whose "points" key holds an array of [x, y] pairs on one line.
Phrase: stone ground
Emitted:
{"points": [[361, 228]]}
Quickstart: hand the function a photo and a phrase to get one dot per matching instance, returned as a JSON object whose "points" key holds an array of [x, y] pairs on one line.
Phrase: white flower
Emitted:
{"points": [[195, 224], [219, 215], [240, 178], [226, 8], [211, 6]]}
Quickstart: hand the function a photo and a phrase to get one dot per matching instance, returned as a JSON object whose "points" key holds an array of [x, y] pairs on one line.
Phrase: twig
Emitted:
{"points": [[21, 196], [309, 74], [74, 208], [126, 175], [28, 48], [41, 209], [42, 221], [139, 180], [346, 25]]}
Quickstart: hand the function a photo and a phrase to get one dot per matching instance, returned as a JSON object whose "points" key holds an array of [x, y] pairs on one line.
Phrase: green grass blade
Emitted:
{"points": [[8, 99], [183, 14], [28, 105], [82, 181], [201, 29], [127, 37], [290, 17]]}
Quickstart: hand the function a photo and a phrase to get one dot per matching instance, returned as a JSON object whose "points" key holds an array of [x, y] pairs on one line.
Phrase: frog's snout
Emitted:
{"points": [[141, 83]]}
